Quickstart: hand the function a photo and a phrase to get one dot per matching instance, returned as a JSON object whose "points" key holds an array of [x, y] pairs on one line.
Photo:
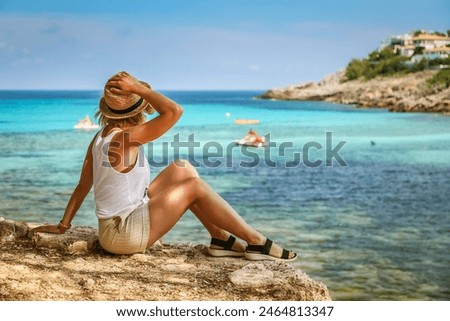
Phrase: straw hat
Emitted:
{"points": [[116, 106]]}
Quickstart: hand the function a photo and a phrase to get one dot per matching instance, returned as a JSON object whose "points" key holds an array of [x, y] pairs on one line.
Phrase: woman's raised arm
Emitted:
{"points": [[169, 111]]}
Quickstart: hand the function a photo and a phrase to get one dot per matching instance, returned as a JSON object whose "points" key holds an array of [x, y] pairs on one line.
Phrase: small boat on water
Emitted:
{"points": [[86, 123], [246, 121], [243, 142], [252, 139], [86, 126]]}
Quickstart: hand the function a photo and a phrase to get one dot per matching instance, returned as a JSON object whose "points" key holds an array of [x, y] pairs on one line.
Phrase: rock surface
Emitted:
{"points": [[73, 266], [406, 93]]}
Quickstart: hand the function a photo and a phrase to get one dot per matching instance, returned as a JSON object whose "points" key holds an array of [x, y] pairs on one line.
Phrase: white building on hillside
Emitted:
{"points": [[407, 51], [398, 40], [430, 41], [434, 45], [433, 53]]}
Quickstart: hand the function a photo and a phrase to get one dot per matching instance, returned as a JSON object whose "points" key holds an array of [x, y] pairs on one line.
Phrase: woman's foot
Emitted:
{"points": [[228, 247], [269, 251]]}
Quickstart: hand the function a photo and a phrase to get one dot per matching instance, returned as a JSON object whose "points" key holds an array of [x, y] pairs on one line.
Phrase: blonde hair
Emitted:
{"points": [[137, 119]]}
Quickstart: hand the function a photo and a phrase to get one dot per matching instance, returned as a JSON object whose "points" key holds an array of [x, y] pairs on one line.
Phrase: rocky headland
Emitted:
{"points": [[401, 93], [73, 266]]}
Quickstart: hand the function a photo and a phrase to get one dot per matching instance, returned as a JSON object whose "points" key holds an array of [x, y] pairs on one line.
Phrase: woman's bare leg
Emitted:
{"points": [[168, 207], [175, 173]]}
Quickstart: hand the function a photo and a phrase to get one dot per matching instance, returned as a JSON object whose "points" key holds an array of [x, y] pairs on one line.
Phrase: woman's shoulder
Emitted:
{"points": [[109, 130]]}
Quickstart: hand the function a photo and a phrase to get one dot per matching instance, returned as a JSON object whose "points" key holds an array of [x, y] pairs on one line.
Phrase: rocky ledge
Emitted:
{"points": [[73, 266], [406, 93]]}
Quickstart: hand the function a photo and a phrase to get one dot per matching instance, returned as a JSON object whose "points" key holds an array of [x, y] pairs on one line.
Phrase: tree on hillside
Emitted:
{"points": [[383, 63], [419, 50], [384, 54], [356, 68], [439, 33]]}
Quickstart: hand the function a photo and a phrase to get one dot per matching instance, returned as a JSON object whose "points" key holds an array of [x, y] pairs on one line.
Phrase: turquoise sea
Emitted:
{"points": [[372, 225]]}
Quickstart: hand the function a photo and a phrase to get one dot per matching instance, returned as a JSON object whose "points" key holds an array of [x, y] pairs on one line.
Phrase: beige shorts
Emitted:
{"points": [[128, 237]]}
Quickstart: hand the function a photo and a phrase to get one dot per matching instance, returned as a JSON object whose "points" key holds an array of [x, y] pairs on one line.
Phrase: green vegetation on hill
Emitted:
{"points": [[388, 63], [441, 78], [418, 32], [383, 63]]}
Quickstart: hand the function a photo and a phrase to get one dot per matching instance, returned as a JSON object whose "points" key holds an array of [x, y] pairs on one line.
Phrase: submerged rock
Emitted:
{"points": [[73, 266]]}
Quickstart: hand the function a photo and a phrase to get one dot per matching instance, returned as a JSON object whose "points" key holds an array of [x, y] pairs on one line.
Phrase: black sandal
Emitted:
{"points": [[261, 252], [226, 248]]}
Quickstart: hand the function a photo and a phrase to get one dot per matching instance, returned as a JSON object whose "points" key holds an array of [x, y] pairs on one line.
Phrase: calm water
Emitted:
{"points": [[376, 229]]}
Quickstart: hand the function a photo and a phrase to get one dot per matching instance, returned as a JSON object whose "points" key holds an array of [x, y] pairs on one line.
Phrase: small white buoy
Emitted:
{"points": [[227, 114]]}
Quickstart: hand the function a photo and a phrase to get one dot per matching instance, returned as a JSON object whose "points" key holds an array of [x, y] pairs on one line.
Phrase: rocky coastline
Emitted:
{"points": [[402, 93], [74, 267]]}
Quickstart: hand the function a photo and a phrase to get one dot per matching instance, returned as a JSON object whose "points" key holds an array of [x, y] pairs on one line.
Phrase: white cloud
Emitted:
{"points": [[254, 67], [4, 47]]}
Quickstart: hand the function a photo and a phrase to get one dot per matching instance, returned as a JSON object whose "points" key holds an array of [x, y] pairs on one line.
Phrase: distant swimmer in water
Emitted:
{"points": [[253, 137]]}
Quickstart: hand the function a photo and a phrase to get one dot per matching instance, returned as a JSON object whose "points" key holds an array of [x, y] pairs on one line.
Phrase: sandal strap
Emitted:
{"points": [[263, 249], [226, 245], [285, 254]]}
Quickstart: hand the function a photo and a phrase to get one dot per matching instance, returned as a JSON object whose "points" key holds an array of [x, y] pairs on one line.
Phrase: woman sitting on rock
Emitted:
{"points": [[133, 213]]}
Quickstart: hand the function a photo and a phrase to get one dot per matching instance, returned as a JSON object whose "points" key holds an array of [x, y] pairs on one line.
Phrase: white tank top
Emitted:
{"points": [[115, 193]]}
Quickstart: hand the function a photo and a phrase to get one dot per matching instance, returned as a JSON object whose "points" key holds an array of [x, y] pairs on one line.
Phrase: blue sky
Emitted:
{"points": [[203, 44]]}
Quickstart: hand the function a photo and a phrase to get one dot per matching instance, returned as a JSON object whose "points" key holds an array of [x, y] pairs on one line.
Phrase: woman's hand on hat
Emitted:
{"points": [[123, 84]]}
